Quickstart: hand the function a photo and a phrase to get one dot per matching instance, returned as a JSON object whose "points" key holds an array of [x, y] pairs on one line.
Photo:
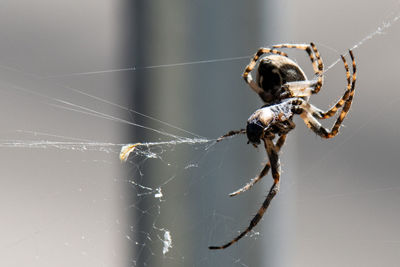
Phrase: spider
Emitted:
{"points": [[285, 90]]}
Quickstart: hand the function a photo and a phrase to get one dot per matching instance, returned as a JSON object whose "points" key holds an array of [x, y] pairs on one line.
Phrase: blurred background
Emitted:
{"points": [[79, 79]]}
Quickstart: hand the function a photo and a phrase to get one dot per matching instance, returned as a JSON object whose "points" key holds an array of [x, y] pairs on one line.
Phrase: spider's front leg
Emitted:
{"points": [[231, 133], [276, 172]]}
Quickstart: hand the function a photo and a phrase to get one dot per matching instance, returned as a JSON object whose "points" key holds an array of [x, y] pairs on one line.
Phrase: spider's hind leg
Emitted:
{"points": [[264, 171], [349, 91], [298, 89], [247, 71], [276, 173], [310, 118], [316, 61]]}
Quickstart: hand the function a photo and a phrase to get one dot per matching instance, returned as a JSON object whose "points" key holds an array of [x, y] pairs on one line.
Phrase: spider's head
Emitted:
{"points": [[254, 133], [273, 72], [260, 125]]}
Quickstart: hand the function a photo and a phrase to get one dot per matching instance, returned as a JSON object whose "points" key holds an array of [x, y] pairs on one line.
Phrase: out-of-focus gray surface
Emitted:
{"points": [[59, 207], [338, 200], [348, 187]]}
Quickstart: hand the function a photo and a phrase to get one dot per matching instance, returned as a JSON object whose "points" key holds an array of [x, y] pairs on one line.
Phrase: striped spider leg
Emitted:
{"points": [[279, 143], [275, 118], [310, 114], [276, 72], [317, 113], [313, 85], [276, 172]]}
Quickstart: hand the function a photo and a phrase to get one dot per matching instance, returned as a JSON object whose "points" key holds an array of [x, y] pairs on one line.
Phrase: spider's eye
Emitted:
{"points": [[254, 132]]}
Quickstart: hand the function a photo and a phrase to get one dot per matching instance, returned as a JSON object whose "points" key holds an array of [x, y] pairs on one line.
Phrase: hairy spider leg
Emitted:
{"points": [[247, 71], [301, 89], [349, 93], [309, 113], [309, 116], [276, 171], [308, 87], [231, 133], [279, 143], [317, 64], [298, 89]]}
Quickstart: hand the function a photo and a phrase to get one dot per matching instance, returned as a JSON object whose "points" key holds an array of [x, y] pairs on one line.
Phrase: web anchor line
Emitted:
{"points": [[127, 149]]}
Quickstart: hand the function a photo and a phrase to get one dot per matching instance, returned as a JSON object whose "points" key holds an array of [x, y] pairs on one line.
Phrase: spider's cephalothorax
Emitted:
{"points": [[270, 120], [284, 88]]}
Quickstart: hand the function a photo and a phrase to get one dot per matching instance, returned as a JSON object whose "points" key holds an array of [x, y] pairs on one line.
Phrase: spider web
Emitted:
{"points": [[155, 182]]}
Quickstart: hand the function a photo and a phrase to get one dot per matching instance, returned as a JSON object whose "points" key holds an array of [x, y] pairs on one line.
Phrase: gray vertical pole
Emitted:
{"points": [[281, 227], [208, 99]]}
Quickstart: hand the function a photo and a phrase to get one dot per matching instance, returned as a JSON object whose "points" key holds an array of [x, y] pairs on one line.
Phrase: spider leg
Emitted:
{"points": [[316, 61], [349, 91], [344, 101], [264, 171], [296, 89], [313, 123], [276, 170], [231, 133], [247, 71]]}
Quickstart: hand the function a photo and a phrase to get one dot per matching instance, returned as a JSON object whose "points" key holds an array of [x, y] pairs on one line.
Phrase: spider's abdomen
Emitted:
{"points": [[273, 72]]}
